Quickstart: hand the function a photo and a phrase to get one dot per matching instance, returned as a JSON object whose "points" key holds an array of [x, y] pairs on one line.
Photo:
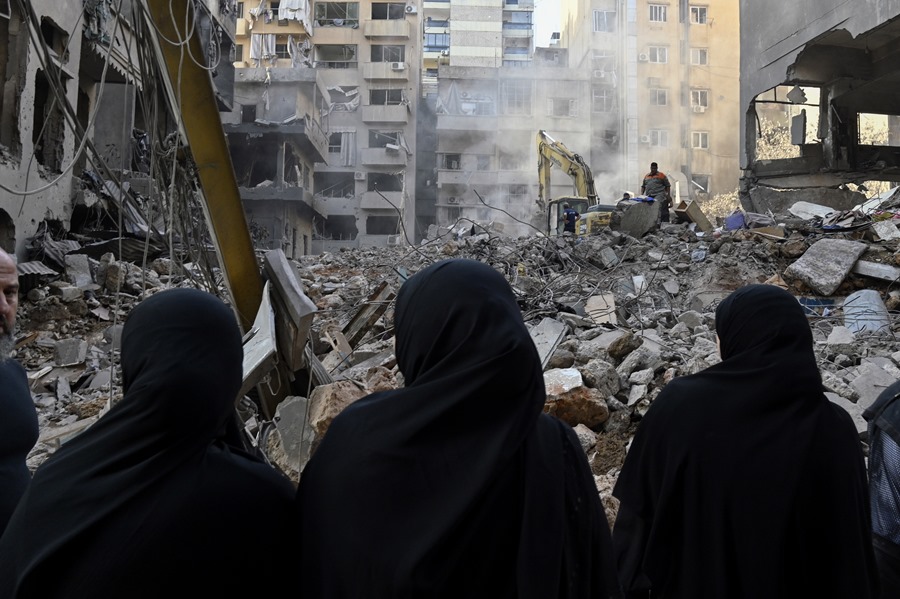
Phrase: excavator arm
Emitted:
{"points": [[552, 152]]}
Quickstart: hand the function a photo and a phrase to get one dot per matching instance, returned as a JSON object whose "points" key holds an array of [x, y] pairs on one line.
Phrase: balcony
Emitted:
{"points": [[241, 28], [519, 30], [397, 28], [392, 71], [383, 157], [386, 114], [371, 200]]}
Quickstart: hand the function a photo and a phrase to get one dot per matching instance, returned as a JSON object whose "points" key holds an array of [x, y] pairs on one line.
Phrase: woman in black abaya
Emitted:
{"points": [[151, 501], [456, 485], [743, 480]]}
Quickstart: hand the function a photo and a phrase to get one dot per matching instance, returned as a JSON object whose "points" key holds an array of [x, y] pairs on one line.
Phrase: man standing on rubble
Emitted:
{"points": [[18, 425], [656, 185]]}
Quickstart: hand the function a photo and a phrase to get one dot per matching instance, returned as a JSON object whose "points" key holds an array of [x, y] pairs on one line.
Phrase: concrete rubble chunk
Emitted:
{"points": [[65, 291], [602, 308], [641, 358], [561, 380], [869, 382], [294, 436], [327, 401], [641, 377], [69, 352], [78, 270], [608, 257], [636, 394], [826, 264], [836, 385], [546, 337], [671, 286], [691, 318], [854, 409], [840, 336], [623, 346], [640, 218], [885, 230], [602, 376], [578, 405], [586, 437]]}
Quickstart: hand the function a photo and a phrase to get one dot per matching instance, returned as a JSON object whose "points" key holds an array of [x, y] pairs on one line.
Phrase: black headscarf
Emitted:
{"points": [[743, 480], [149, 502], [456, 485], [18, 434]]}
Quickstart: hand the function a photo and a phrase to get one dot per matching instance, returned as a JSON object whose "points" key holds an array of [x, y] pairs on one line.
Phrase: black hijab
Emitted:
{"points": [[456, 485], [149, 502], [743, 480], [18, 434]]}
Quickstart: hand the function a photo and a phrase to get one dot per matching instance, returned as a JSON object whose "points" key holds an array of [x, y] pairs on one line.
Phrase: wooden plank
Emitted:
{"points": [[885, 272]]}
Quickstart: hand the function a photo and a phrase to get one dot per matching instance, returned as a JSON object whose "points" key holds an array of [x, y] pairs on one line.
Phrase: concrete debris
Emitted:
{"points": [[615, 317]]}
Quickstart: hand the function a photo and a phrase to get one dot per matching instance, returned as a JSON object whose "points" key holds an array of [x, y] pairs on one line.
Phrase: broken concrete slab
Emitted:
{"points": [[869, 382], [608, 257], [562, 380], [295, 436], [691, 318], [546, 337], [69, 352], [865, 312], [885, 230], [826, 264], [602, 308], [66, 292], [876, 270], [602, 376], [640, 218]]}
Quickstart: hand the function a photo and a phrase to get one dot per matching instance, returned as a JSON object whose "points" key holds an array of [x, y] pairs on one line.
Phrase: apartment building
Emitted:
{"points": [[664, 88], [494, 92]]}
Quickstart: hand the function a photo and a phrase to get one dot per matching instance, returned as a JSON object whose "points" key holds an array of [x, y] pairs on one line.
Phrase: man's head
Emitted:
{"points": [[626, 196], [9, 303], [565, 205], [653, 168]]}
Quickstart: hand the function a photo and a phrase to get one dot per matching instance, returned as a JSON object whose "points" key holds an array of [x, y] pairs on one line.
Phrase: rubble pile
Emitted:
{"points": [[614, 318]]}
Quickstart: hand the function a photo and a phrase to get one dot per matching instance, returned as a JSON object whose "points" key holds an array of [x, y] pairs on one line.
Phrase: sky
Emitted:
{"points": [[546, 21]]}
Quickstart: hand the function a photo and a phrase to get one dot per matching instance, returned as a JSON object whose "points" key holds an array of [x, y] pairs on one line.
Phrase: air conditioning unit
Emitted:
{"points": [[700, 109], [445, 52], [394, 240], [359, 176], [600, 75], [453, 200], [398, 66], [645, 139], [463, 94], [643, 57], [411, 9]]}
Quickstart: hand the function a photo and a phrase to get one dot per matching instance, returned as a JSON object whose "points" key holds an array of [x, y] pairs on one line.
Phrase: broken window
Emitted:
{"points": [[658, 13], [874, 129], [699, 56], [337, 14], [604, 21], [248, 113], [659, 138], [700, 97], [335, 185], [388, 53], [48, 129], [344, 98], [658, 54], [700, 140], [55, 39], [483, 162], [451, 162], [388, 10], [384, 139], [562, 107], [698, 15], [382, 225], [334, 143], [700, 183], [515, 195], [340, 227], [385, 97], [385, 182], [336, 56], [659, 97], [516, 97]]}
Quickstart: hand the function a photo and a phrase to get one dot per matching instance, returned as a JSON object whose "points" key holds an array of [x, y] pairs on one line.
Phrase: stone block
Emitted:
{"points": [[602, 376], [562, 380], [870, 381], [608, 257], [826, 264], [546, 337], [623, 346], [640, 218], [691, 318], [69, 352], [578, 405], [586, 437]]}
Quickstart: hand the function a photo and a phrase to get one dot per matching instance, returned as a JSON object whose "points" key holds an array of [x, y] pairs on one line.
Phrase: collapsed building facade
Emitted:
{"points": [[828, 71]]}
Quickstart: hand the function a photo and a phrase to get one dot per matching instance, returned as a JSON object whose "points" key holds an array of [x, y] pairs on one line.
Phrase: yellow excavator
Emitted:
{"points": [[594, 216]]}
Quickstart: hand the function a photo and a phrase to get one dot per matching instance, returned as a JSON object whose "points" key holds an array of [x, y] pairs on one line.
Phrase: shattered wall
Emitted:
{"points": [[37, 152], [842, 53]]}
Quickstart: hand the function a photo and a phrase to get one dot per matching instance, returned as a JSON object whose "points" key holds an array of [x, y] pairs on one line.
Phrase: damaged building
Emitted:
{"points": [[829, 84]]}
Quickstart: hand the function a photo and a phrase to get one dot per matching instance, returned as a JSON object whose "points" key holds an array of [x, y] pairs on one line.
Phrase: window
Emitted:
{"points": [[385, 97], [334, 142], [699, 56], [248, 113], [483, 162], [700, 140], [281, 51], [238, 53], [336, 56], [337, 14], [602, 99], [436, 41], [659, 97], [659, 138], [240, 10], [700, 97], [562, 107], [380, 139], [700, 183], [658, 54], [516, 195], [451, 162], [388, 53], [657, 13], [388, 10], [698, 15], [604, 21], [515, 97]]}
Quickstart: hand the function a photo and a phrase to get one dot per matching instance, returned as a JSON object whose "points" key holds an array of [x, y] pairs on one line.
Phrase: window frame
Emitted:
{"points": [[655, 93], [699, 140], [654, 52], [697, 53], [700, 97], [660, 12], [699, 14], [602, 22], [659, 138]]}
